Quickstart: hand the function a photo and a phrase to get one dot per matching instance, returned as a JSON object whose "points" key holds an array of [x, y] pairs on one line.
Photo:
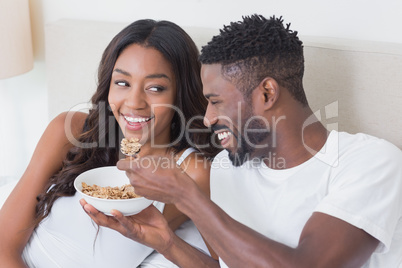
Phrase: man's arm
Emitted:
{"points": [[325, 240]]}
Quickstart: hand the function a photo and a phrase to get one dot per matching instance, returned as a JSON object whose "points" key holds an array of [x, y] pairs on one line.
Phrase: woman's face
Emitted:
{"points": [[142, 93]]}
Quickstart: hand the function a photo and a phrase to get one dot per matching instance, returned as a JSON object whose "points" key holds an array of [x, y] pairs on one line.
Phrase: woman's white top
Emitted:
{"points": [[69, 238]]}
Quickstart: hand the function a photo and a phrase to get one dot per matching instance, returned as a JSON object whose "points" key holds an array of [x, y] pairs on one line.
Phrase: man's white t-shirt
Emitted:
{"points": [[356, 178]]}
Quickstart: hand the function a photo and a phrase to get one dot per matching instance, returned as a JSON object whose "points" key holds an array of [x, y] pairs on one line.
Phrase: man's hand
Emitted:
{"points": [[157, 178], [148, 227]]}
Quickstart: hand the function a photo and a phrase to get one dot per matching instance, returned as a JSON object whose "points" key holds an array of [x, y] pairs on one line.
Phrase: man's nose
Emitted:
{"points": [[210, 117]]}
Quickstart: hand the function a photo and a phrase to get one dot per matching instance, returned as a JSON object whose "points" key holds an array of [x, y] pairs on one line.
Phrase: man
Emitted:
{"points": [[293, 193]]}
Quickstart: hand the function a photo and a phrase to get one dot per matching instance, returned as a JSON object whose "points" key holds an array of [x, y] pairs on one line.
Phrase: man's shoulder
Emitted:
{"points": [[367, 144], [365, 152]]}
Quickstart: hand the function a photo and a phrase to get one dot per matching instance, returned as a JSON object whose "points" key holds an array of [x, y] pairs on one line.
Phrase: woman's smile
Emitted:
{"points": [[135, 123]]}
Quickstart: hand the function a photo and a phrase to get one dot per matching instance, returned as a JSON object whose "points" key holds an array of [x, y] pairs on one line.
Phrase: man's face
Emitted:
{"points": [[230, 116]]}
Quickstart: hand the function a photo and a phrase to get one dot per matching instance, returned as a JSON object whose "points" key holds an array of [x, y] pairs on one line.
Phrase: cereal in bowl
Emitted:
{"points": [[123, 192]]}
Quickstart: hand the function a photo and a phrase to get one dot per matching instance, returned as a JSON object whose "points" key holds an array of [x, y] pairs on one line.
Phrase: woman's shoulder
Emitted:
{"points": [[70, 122], [51, 149], [190, 156], [62, 131], [194, 164]]}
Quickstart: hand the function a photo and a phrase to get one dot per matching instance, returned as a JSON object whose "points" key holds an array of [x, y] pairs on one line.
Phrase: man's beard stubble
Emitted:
{"points": [[247, 147]]}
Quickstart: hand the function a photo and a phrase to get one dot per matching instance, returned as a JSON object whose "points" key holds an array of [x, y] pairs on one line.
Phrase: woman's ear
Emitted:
{"points": [[269, 92]]}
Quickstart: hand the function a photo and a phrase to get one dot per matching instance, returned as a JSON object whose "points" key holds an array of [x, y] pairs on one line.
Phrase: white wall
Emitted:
{"points": [[359, 19], [22, 99], [23, 117]]}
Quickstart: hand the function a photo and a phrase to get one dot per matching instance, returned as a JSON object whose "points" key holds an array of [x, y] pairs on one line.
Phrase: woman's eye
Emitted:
{"points": [[156, 89], [121, 83]]}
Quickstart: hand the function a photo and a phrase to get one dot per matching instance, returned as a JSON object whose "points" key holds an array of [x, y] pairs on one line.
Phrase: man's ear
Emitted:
{"points": [[268, 91]]}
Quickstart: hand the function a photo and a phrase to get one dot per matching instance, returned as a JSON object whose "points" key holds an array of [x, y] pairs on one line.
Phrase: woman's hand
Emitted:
{"points": [[148, 227]]}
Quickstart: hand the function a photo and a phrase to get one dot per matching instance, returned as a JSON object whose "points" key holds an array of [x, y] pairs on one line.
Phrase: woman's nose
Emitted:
{"points": [[135, 98]]}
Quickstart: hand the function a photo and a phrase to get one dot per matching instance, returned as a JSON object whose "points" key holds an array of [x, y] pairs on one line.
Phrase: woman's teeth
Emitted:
{"points": [[223, 135], [137, 119]]}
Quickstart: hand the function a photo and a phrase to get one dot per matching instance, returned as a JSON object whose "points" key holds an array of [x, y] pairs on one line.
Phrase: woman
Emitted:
{"points": [[149, 88]]}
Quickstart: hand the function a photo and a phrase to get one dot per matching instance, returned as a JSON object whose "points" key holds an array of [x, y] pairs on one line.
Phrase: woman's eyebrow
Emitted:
{"points": [[117, 70], [158, 75]]}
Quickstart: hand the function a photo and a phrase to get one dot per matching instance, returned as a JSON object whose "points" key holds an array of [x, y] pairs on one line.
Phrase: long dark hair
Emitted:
{"points": [[178, 49]]}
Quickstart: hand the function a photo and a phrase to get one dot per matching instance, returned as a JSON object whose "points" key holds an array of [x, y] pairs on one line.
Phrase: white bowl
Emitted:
{"points": [[110, 176]]}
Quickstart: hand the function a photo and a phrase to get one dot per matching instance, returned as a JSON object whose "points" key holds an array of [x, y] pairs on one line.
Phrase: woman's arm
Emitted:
{"points": [[151, 229], [197, 167], [200, 175], [18, 212]]}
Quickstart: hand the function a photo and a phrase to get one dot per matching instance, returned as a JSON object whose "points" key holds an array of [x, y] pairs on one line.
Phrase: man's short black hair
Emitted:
{"points": [[255, 48]]}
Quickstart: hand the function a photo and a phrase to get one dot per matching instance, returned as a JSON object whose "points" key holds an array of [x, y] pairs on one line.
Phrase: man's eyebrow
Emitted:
{"points": [[207, 96]]}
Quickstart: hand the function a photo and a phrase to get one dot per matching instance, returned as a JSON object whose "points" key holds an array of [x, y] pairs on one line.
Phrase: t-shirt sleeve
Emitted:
{"points": [[366, 190]]}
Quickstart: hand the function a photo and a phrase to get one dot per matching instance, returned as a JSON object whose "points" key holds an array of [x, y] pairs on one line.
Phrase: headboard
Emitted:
{"points": [[353, 86]]}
